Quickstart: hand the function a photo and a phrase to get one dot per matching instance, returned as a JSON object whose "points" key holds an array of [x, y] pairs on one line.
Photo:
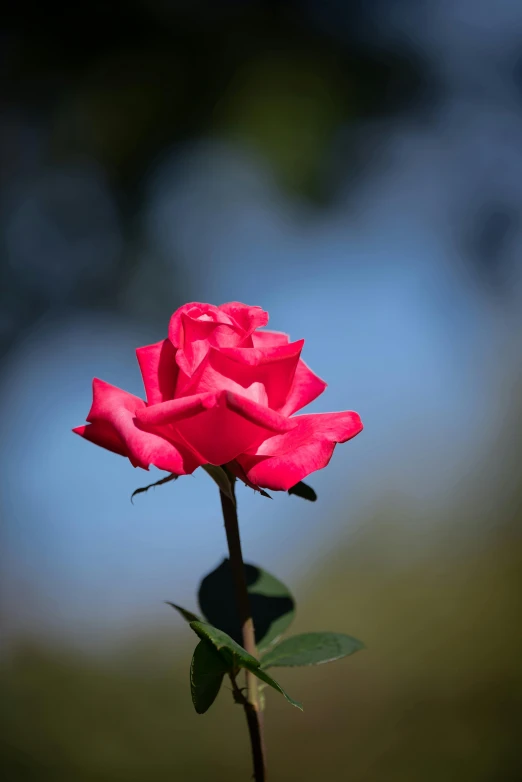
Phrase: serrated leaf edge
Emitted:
{"points": [[142, 489], [188, 616], [303, 492], [265, 665], [246, 661], [193, 684]]}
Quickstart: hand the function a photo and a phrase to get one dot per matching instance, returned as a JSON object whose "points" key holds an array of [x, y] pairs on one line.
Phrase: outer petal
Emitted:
{"points": [[109, 401], [218, 426], [103, 433], [283, 460], [265, 339], [306, 387], [159, 370], [175, 410], [115, 410]]}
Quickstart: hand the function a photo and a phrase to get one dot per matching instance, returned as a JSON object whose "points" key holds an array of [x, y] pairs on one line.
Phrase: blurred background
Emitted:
{"points": [[355, 168]]}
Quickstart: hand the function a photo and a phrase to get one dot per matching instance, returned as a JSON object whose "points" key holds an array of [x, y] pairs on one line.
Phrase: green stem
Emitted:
{"points": [[251, 706]]}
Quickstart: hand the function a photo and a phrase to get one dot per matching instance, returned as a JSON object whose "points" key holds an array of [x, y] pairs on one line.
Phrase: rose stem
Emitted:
{"points": [[251, 703]]}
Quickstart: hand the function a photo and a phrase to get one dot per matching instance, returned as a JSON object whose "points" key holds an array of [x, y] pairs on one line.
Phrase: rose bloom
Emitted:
{"points": [[221, 391]]}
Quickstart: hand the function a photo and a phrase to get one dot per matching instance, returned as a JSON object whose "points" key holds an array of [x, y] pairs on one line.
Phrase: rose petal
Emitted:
{"points": [[117, 408], [218, 426], [264, 375], [194, 310], [176, 409], [283, 460], [108, 400], [159, 370], [102, 433], [258, 414], [265, 339], [247, 318], [255, 357], [199, 328], [199, 336], [306, 387]]}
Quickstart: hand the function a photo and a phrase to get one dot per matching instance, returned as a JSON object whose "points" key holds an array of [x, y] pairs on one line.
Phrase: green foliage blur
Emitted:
{"points": [[437, 694]]}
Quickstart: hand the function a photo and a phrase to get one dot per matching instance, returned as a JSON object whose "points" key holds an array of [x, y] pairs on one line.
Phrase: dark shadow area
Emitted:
{"points": [[271, 604]]}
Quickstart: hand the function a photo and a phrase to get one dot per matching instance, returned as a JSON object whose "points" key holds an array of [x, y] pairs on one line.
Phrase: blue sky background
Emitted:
{"points": [[393, 318]]}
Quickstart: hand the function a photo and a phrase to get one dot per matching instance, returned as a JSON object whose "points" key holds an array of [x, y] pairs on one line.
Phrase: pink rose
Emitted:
{"points": [[220, 391]]}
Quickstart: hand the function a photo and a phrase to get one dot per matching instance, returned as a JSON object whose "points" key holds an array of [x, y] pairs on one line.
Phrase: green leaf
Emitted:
{"points": [[234, 656], [265, 677], [219, 476], [272, 605], [311, 649], [188, 615], [171, 477], [303, 490], [206, 676]]}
